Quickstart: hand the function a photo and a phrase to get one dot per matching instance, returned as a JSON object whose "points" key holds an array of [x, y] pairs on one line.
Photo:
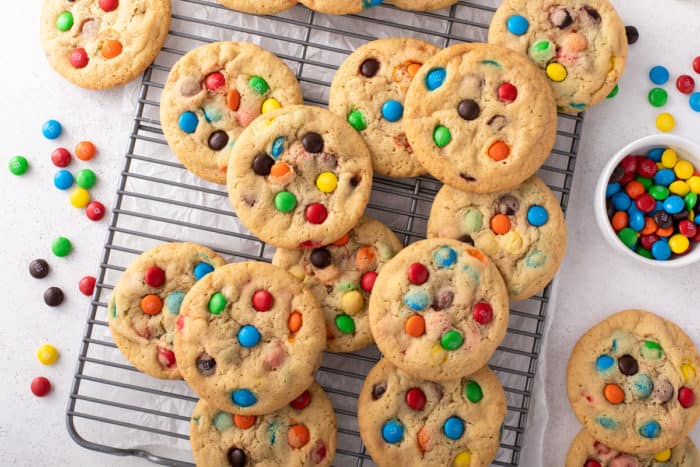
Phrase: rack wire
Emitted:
{"points": [[115, 409]]}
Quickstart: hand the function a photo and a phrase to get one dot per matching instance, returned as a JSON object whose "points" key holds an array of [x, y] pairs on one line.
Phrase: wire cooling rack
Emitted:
{"points": [[114, 408]]}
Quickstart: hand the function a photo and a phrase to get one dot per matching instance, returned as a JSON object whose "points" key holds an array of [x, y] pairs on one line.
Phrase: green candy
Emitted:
{"points": [[658, 192], [348, 287], [217, 303], [658, 97], [258, 85], [285, 201], [452, 340], [357, 120], [647, 182], [442, 136], [18, 165], [691, 199], [614, 92], [472, 221], [473, 391], [542, 51], [345, 324], [64, 21], [644, 253], [85, 178], [651, 350], [61, 247], [223, 421], [628, 236]]}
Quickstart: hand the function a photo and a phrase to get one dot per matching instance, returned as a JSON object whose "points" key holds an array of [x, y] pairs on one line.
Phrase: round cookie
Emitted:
{"points": [[405, 420], [341, 275], [215, 91], [147, 299], [100, 45], [340, 7], [300, 178], [585, 451], [249, 338], [302, 433], [632, 381], [439, 309], [422, 5], [521, 229], [480, 118], [259, 7], [369, 91], [580, 44]]}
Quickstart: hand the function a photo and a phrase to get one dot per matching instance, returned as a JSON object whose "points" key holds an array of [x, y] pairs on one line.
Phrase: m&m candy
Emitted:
{"points": [[47, 354], [85, 150], [40, 386], [51, 129], [87, 285], [60, 157], [18, 165]]}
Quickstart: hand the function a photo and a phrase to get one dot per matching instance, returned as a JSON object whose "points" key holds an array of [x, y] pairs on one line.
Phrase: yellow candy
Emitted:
{"points": [[669, 158], [463, 459], [691, 216], [679, 244], [665, 122], [663, 456], [679, 187], [512, 242], [438, 355], [556, 72], [327, 182], [47, 354], [694, 184], [487, 243], [688, 371], [352, 302], [684, 169], [270, 104], [80, 198], [297, 271]]}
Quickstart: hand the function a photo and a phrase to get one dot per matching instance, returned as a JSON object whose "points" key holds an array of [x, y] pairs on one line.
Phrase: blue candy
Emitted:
{"points": [[538, 216], [51, 129], [278, 147], [611, 189], [202, 269], [694, 101], [173, 302], [435, 78], [655, 154], [212, 114], [607, 422], [650, 429], [243, 397], [63, 179], [417, 299], [517, 25], [664, 177], [445, 256], [621, 201], [674, 204], [658, 75], [636, 220], [392, 431], [659, 206], [371, 3], [188, 122], [392, 111], [248, 336], [223, 421], [453, 428], [660, 250], [604, 362], [642, 385]]}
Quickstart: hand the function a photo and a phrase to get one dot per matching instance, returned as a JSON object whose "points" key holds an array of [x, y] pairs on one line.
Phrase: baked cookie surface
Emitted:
{"points": [[340, 7], [259, 7], [422, 5]]}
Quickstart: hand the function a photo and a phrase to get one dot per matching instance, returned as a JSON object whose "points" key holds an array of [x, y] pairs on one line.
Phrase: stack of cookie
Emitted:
{"points": [[332, 7], [632, 381]]}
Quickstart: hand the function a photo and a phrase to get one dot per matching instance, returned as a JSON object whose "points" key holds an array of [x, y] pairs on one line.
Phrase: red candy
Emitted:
{"points": [[687, 228], [483, 313], [648, 240], [507, 93], [87, 285], [318, 453], [166, 358], [316, 213], [646, 168], [417, 274], [686, 397], [685, 84], [109, 5], [696, 239], [60, 157], [591, 463], [696, 64], [367, 281], [626, 178], [629, 164], [40, 386], [215, 81], [415, 398], [645, 203], [302, 401], [262, 300], [154, 276], [180, 322], [79, 58], [95, 210]]}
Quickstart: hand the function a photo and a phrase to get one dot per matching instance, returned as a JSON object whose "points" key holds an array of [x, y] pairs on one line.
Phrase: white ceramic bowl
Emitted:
{"points": [[686, 150]]}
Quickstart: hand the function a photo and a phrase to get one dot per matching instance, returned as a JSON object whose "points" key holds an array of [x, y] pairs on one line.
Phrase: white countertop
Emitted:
{"points": [[594, 281]]}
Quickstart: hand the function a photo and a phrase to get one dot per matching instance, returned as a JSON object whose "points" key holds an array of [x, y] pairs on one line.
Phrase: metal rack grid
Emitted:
{"points": [[115, 409]]}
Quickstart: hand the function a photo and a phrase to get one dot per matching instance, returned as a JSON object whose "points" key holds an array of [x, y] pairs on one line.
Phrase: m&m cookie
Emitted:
{"points": [[300, 178], [406, 420], [213, 93], [146, 302], [341, 275], [439, 309], [422, 5], [521, 229], [249, 338], [259, 7], [301, 433], [632, 381], [480, 118], [580, 45], [369, 90], [585, 451], [103, 44], [340, 7]]}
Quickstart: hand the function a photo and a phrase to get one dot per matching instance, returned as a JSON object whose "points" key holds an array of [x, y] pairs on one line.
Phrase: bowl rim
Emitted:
{"points": [[690, 151]]}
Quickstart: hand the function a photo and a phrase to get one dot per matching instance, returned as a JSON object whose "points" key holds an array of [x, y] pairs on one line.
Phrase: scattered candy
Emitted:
{"points": [[63, 179], [51, 129], [658, 75], [39, 268], [53, 296], [18, 165], [665, 122], [60, 157], [696, 64], [47, 354], [79, 198], [85, 150], [614, 92], [87, 285], [85, 178], [658, 97], [40, 386], [632, 34], [685, 84], [61, 247], [694, 101], [95, 210]]}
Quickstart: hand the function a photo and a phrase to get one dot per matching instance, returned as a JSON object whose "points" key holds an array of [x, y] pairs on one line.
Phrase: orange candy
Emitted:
{"points": [[635, 189], [500, 224], [111, 49], [297, 436], [233, 100], [614, 394], [424, 439], [294, 322], [667, 232], [499, 151], [413, 69], [649, 226], [151, 304], [85, 150], [279, 169], [244, 421], [474, 253], [415, 326], [342, 240], [365, 258], [620, 220]]}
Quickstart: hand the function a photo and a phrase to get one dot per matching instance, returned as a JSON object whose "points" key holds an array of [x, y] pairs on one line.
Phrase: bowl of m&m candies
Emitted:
{"points": [[647, 201]]}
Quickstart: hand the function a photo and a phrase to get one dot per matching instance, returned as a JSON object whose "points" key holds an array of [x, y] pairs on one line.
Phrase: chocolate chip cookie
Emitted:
{"points": [[422, 5], [340, 7]]}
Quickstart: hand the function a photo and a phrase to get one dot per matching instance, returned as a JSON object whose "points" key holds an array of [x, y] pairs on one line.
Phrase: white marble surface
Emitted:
{"points": [[594, 281]]}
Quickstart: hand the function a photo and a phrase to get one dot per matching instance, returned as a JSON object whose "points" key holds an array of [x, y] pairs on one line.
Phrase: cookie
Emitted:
{"points": [[259, 7], [300, 178], [100, 45], [341, 275], [215, 91], [439, 309], [147, 300], [340, 7], [580, 45], [422, 5], [480, 118], [249, 338], [521, 229], [301, 433], [369, 91], [632, 380], [406, 421], [585, 451]]}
